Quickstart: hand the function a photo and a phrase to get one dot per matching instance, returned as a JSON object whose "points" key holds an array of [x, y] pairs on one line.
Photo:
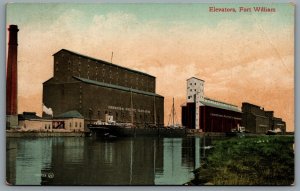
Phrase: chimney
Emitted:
{"points": [[12, 72]]}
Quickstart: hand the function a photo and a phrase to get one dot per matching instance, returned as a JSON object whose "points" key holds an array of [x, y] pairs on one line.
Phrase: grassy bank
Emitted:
{"points": [[265, 160]]}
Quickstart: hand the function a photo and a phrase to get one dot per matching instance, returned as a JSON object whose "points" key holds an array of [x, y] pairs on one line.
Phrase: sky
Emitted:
{"points": [[241, 56]]}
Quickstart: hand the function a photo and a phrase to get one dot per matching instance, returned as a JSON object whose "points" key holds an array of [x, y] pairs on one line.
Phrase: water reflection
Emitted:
{"points": [[90, 161]]}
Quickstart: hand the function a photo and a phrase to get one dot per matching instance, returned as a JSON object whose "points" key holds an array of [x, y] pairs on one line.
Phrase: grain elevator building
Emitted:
{"points": [[205, 114], [96, 88]]}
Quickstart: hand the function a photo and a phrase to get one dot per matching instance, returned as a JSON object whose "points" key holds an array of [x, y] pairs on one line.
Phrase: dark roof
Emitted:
{"points": [[246, 103], [224, 105], [28, 115], [69, 114], [102, 61], [48, 80], [195, 78], [93, 82], [206, 98]]}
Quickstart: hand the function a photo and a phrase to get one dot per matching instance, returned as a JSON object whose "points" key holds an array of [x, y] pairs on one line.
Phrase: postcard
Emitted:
{"points": [[185, 94]]}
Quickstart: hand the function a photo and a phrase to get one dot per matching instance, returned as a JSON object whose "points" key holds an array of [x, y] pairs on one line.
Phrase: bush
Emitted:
{"points": [[266, 160]]}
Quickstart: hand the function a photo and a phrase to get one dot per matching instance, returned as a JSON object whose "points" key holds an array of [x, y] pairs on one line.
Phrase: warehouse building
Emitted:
{"points": [[256, 120], [96, 88], [71, 121], [29, 121], [205, 114]]}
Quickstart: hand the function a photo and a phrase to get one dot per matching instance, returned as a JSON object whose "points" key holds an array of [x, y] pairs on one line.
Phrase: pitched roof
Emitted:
{"points": [[102, 61], [28, 115], [195, 78], [93, 82], [219, 104], [70, 114]]}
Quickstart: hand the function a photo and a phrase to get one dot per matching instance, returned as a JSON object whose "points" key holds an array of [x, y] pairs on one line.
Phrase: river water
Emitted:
{"points": [[95, 161]]}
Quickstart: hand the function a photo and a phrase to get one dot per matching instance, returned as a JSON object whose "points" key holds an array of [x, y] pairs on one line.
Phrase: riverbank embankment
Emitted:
{"points": [[44, 134]]}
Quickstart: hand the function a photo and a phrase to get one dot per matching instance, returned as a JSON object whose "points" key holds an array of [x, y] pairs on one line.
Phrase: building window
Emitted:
{"points": [[190, 83], [75, 124], [70, 124], [190, 90], [195, 83], [45, 126], [79, 124]]}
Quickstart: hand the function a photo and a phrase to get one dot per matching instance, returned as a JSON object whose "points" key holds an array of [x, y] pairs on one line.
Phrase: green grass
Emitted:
{"points": [[265, 160]]}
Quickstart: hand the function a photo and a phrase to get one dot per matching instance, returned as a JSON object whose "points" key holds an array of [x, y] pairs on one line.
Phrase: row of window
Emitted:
{"points": [[189, 97], [103, 70], [195, 90], [76, 124], [47, 126], [138, 81], [195, 84]]}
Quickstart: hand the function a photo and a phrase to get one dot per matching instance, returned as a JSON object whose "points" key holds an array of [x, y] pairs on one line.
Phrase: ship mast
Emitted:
{"points": [[131, 105], [173, 108], [154, 111]]}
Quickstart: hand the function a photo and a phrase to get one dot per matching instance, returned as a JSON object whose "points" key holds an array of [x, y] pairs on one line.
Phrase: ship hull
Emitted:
{"points": [[117, 131]]}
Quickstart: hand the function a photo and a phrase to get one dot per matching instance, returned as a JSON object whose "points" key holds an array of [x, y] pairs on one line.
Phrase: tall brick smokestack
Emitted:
{"points": [[12, 72]]}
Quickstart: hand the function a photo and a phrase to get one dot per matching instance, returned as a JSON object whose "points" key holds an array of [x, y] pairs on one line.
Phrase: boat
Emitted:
{"points": [[274, 132], [237, 132], [111, 128], [122, 130], [172, 123]]}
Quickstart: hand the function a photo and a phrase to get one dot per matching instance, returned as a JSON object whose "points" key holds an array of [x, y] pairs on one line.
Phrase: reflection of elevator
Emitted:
{"points": [[194, 150], [197, 152], [191, 152]]}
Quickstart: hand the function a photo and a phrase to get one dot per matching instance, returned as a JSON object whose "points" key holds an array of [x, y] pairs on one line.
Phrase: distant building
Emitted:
{"points": [[71, 121], [29, 121], [96, 88], [205, 114], [256, 120]]}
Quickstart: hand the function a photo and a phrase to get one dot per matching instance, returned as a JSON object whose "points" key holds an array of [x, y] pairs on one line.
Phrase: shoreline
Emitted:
{"points": [[45, 134]]}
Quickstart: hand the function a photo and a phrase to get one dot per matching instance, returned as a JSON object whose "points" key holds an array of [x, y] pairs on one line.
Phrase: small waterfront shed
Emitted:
{"points": [[71, 120]]}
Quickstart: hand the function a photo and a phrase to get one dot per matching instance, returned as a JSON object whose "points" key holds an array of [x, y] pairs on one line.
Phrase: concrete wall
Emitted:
{"points": [[74, 124], [36, 125], [12, 121], [62, 97], [195, 90]]}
